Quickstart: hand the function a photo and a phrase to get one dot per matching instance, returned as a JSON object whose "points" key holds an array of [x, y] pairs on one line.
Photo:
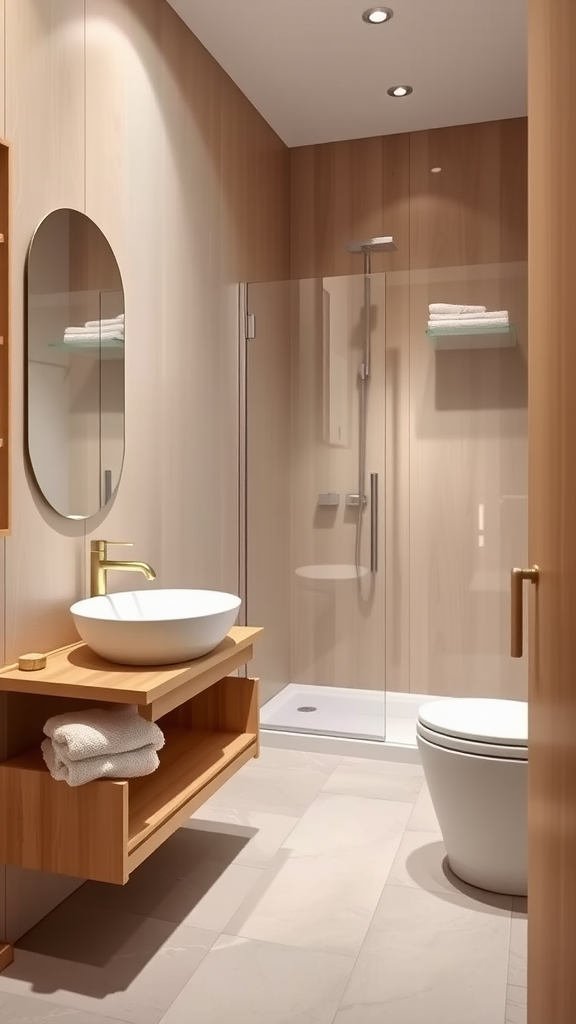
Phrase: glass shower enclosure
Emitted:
{"points": [[381, 516], [315, 498]]}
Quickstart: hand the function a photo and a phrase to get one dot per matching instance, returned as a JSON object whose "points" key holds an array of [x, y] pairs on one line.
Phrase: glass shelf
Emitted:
{"points": [[497, 336], [88, 346]]}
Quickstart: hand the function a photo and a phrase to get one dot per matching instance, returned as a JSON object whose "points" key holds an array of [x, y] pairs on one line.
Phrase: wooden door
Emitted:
{"points": [[552, 512]]}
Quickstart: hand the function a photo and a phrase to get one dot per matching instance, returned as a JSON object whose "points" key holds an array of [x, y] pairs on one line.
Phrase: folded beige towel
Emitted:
{"points": [[97, 732], [130, 765]]}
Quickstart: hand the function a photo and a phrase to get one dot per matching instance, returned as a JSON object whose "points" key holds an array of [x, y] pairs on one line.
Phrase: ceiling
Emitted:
{"points": [[318, 73]]}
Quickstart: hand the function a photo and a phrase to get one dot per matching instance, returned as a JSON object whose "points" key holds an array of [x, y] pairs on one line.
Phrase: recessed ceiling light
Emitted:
{"points": [[435, 170], [399, 90], [377, 15]]}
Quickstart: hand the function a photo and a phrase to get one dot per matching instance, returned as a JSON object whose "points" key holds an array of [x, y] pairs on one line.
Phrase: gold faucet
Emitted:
{"points": [[100, 564]]}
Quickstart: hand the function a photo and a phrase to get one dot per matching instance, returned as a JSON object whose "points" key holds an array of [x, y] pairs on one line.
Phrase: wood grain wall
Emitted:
{"points": [[456, 421], [552, 771], [114, 108]]}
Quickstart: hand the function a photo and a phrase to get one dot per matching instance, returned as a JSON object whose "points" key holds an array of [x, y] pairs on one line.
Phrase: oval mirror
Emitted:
{"points": [[74, 364]]}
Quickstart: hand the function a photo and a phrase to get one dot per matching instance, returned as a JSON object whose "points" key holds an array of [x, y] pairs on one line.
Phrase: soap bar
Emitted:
{"points": [[31, 662]]}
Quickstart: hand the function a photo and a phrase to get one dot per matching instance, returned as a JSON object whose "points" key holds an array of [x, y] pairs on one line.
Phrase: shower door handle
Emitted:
{"points": [[517, 577], [374, 522]]}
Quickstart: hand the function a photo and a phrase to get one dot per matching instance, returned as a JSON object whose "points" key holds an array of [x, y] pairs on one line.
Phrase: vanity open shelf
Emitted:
{"points": [[105, 829]]}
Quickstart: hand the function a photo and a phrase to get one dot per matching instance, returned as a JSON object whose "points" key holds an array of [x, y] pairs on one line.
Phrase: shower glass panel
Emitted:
{"points": [[315, 502], [467, 478]]}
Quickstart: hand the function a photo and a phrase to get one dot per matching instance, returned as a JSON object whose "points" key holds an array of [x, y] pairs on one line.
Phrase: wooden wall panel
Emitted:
{"points": [[43, 572], [456, 422], [468, 440], [45, 121], [346, 191], [113, 107], [123, 190], [475, 210], [552, 772]]}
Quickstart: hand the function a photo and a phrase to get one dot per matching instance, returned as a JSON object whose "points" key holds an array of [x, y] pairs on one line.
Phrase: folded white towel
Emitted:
{"points": [[497, 314], [104, 336], [110, 322], [101, 731], [78, 332], [130, 765], [448, 307], [446, 326]]}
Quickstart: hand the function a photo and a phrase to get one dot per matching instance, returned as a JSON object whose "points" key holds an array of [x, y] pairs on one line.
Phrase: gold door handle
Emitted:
{"points": [[517, 577]]}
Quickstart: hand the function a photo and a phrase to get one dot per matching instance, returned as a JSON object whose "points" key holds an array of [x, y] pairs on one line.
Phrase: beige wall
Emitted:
{"points": [[115, 109]]}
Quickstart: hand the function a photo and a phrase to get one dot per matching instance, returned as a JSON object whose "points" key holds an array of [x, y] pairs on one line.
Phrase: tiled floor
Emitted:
{"points": [[310, 890]]}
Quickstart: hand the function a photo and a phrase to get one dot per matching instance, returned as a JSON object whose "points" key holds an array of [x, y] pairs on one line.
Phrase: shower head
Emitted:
{"points": [[369, 245]]}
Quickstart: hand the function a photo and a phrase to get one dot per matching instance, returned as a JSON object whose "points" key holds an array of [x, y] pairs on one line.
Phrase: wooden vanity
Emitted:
{"points": [[105, 829]]}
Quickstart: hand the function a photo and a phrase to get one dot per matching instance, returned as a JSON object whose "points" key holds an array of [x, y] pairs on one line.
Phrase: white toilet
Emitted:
{"points": [[474, 753]]}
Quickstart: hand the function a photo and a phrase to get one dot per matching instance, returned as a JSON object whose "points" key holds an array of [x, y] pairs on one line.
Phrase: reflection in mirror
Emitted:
{"points": [[75, 364]]}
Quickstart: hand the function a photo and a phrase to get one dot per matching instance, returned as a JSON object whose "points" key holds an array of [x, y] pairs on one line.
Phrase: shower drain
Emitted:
{"points": [[307, 709]]}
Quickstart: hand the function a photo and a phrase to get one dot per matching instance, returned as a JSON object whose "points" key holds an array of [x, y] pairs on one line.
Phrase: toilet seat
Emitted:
{"points": [[477, 725]]}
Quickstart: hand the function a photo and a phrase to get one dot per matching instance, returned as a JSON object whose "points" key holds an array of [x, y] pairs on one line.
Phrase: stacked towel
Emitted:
{"points": [[451, 310], [447, 317], [97, 330], [97, 744]]}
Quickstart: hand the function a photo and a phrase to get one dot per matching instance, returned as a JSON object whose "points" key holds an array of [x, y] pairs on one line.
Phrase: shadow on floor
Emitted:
{"points": [[103, 936], [428, 866]]}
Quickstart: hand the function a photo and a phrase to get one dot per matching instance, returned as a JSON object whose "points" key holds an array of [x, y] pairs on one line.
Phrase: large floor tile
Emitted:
{"points": [[381, 780], [179, 884], [429, 958], [517, 969], [261, 834], [516, 1005], [278, 757], [322, 889], [115, 965], [248, 982], [423, 817], [29, 1010], [335, 822], [421, 863], [279, 782]]}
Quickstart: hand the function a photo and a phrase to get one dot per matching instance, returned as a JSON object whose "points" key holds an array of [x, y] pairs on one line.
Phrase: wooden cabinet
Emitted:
{"points": [[105, 829]]}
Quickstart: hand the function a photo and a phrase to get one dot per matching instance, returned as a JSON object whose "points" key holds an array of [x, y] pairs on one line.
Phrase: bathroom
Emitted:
{"points": [[240, 466]]}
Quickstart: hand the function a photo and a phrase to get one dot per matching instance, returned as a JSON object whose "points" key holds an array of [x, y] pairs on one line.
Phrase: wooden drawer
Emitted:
{"points": [[107, 828]]}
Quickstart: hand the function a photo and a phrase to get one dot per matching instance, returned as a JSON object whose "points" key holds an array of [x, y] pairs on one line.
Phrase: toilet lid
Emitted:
{"points": [[503, 723]]}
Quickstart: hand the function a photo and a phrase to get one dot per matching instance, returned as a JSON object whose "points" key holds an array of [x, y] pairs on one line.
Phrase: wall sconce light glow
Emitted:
{"points": [[435, 170], [377, 15], [399, 90]]}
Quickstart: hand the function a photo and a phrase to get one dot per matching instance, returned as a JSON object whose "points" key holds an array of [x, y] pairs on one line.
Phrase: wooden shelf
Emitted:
{"points": [[190, 762], [6, 955], [105, 829], [77, 672]]}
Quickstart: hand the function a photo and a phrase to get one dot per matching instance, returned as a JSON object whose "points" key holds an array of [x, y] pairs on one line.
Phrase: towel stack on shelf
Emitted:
{"points": [[111, 329], [446, 317], [99, 744]]}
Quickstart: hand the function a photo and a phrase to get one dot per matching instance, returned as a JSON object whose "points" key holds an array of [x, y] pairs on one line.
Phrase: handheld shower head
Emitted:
{"points": [[370, 245]]}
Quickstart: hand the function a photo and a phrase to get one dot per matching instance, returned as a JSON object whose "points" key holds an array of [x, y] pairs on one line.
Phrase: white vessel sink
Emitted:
{"points": [[155, 627]]}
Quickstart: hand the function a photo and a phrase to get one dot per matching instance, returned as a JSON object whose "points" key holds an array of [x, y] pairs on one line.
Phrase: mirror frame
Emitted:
{"points": [[26, 377]]}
